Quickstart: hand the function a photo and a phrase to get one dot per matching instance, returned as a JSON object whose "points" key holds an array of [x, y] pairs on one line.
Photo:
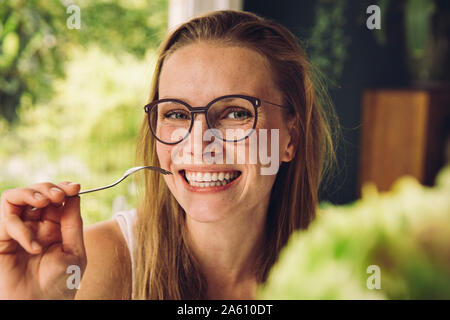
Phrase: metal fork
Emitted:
{"points": [[125, 175]]}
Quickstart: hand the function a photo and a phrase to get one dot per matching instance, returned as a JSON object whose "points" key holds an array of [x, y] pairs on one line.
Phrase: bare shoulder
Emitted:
{"points": [[108, 272]]}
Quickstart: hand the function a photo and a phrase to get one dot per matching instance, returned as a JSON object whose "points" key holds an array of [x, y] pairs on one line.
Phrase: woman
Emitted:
{"points": [[212, 229]]}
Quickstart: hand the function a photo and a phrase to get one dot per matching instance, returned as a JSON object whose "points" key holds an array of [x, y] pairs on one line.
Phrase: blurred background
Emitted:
{"points": [[75, 75], [72, 99]]}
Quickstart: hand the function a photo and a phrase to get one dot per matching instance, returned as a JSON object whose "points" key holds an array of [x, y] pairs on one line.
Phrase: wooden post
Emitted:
{"points": [[403, 133]]}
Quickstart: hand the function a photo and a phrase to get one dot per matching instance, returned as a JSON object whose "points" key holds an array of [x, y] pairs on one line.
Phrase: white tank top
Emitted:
{"points": [[126, 221]]}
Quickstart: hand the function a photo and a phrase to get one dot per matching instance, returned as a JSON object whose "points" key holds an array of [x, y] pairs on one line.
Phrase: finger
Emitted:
{"points": [[13, 201], [70, 188], [48, 233], [53, 212], [55, 193], [72, 227], [50, 212], [17, 230], [31, 214], [12, 204]]}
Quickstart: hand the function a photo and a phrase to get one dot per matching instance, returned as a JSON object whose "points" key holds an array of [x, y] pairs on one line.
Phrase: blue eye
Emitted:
{"points": [[238, 114], [177, 115]]}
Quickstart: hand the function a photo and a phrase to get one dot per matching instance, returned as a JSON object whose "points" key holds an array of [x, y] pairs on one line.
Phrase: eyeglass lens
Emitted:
{"points": [[232, 117]]}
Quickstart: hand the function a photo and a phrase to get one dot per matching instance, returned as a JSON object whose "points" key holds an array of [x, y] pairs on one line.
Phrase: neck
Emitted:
{"points": [[227, 250]]}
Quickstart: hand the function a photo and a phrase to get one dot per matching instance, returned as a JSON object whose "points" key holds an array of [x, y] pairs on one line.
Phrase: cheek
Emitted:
{"points": [[276, 132], [257, 187], [164, 151]]}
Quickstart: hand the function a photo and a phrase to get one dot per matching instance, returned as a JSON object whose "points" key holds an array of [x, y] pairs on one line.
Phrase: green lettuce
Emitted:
{"points": [[404, 233]]}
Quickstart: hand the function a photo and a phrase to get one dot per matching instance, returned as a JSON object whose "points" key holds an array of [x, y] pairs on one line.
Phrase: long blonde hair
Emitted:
{"points": [[164, 266]]}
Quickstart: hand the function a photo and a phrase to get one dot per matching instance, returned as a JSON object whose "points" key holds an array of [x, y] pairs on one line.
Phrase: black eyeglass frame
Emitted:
{"points": [[256, 103]]}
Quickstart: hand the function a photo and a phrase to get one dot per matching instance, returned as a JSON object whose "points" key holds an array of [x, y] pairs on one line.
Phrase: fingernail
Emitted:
{"points": [[38, 196], [55, 191], [35, 245]]}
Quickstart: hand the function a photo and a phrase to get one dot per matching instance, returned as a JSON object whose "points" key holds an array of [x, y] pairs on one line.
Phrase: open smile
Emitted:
{"points": [[209, 180]]}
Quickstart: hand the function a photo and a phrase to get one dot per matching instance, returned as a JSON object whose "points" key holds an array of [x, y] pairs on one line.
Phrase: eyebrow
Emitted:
{"points": [[225, 94]]}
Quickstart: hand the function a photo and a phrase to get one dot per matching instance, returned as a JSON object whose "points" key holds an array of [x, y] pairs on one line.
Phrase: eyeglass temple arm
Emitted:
{"points": [[274, 104]]}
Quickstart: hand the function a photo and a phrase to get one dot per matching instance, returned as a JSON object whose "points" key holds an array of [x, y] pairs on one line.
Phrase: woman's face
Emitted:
{"points": [[197, 74]]}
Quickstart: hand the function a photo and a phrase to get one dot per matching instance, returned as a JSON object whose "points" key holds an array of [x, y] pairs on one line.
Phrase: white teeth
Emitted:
{"points": [[210, 179]]}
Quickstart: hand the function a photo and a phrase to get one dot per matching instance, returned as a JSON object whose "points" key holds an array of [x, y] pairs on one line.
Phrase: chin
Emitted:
{"points": [[206, 213]]}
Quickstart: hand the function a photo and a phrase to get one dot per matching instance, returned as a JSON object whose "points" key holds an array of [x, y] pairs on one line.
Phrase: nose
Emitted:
{"points": [[196, 143]]}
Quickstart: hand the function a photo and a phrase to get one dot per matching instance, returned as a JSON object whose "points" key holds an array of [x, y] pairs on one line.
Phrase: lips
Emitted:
{"points": [[207, 179]]}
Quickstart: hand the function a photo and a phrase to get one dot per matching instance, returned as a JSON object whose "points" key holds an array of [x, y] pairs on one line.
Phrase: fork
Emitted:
{"points": [[125, 175]]}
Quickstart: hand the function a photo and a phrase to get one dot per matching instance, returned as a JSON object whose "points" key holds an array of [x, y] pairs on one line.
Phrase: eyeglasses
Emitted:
{"points": [[232, 118]]}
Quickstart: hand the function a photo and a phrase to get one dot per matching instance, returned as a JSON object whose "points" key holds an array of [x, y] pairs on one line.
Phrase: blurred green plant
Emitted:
{"points": [[81, 125], [405, 232], [119, 26], [328, 42], [31, 37], [35, 42], [86, 133], [426, 27]]}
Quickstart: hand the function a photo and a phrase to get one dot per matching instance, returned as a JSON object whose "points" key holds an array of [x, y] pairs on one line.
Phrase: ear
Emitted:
{"points": [[291, 147]]}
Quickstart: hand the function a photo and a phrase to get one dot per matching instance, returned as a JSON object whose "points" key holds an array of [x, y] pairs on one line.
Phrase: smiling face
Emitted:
{"points": [[197, 74]]}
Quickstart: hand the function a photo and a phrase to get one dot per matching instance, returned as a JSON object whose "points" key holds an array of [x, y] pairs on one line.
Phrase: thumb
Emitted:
{"points": [[72, 227]]}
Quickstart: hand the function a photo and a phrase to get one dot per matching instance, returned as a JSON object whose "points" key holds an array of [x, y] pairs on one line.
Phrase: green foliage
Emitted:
{"points": [[405, 232], [426, 26], [117, 26], [85, 129], [417, 24], [418, 14], [113, 131], [31, 41], [328, 42], [35, 42], [86, 133]]}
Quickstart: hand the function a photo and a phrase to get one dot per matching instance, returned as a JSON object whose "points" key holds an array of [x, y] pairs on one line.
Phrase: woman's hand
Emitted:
{"points": [[37, 247]]}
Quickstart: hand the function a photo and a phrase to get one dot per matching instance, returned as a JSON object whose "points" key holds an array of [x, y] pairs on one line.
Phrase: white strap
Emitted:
{"points": [[126, 221]]}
